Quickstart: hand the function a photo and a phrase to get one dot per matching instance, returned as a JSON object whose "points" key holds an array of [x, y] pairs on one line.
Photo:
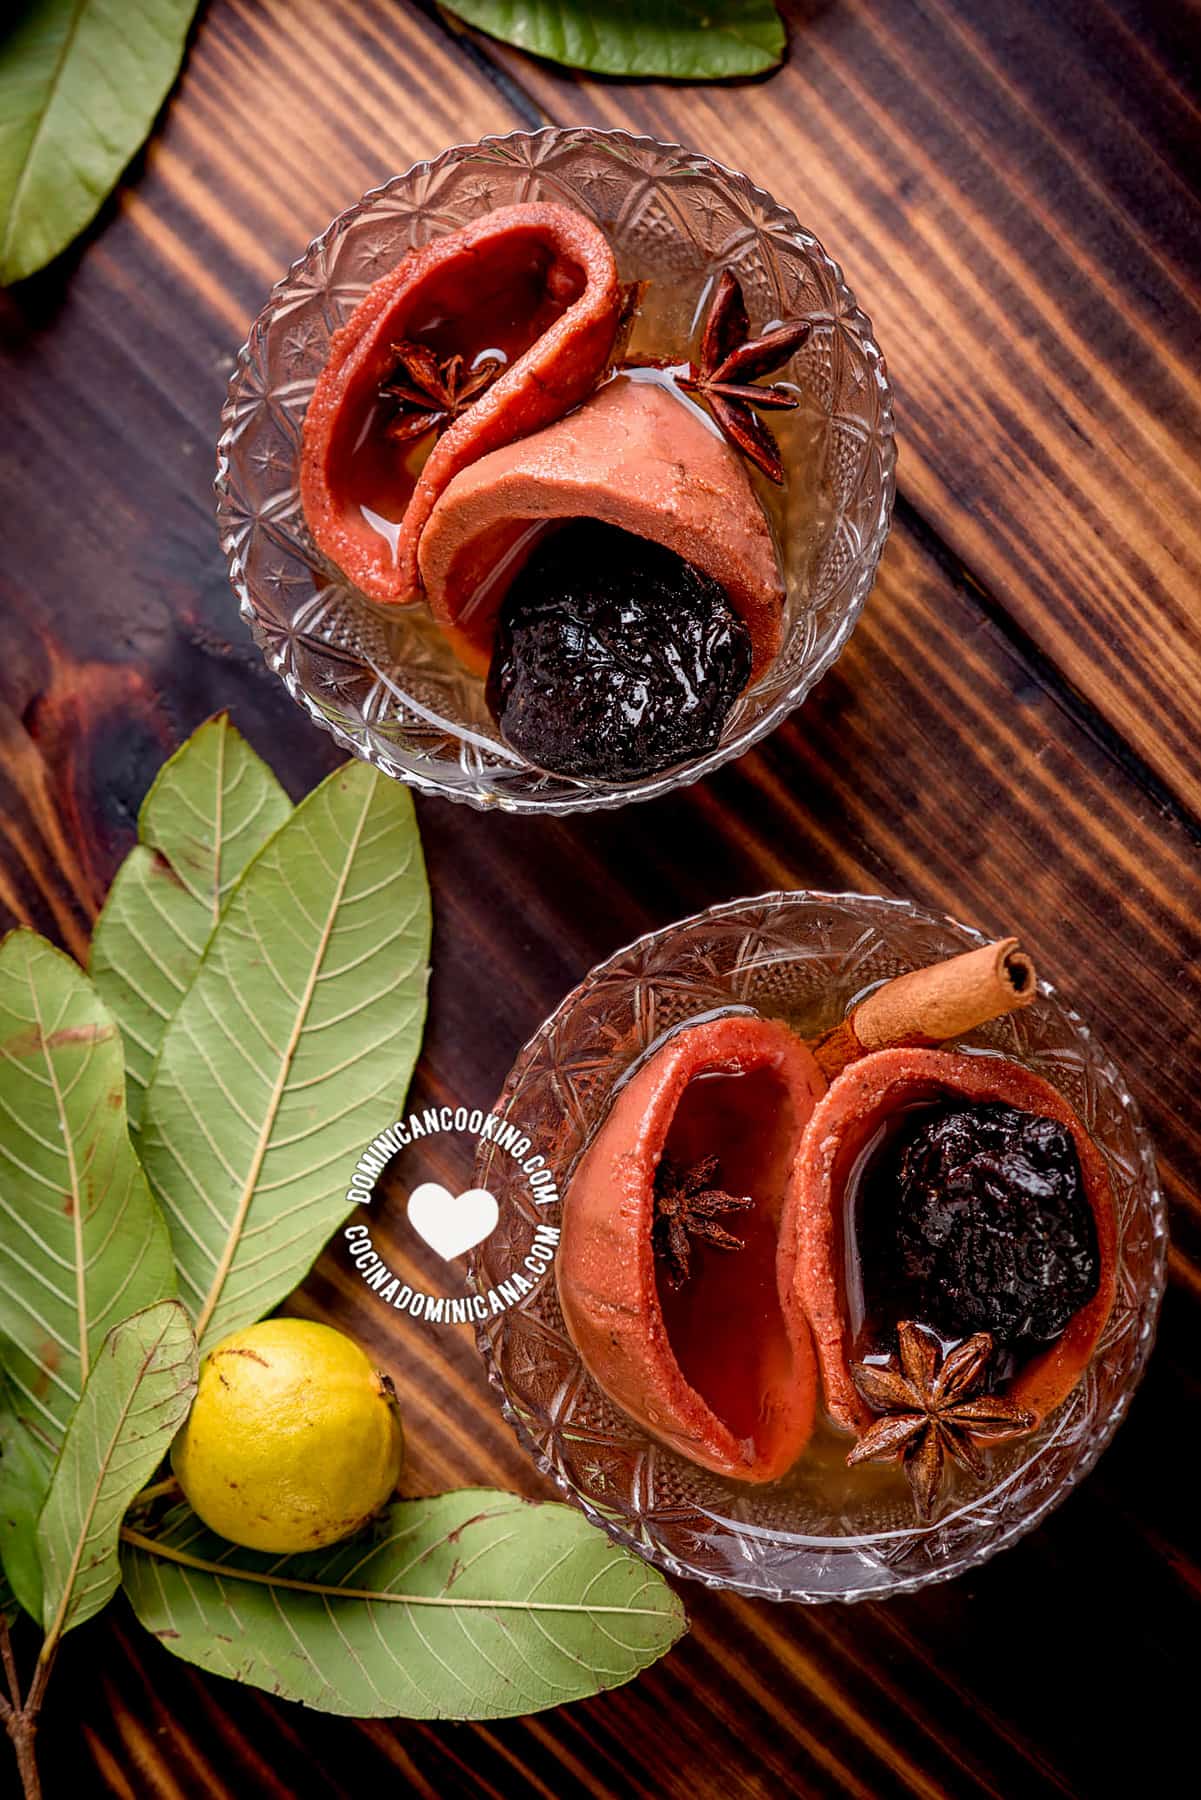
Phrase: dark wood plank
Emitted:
{"points": [[936, 760], [1008, 188], [883, 1700]]}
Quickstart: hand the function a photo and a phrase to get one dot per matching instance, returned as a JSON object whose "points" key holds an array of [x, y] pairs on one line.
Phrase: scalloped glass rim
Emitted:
{"points": [[335, 654], [558, 1090]]}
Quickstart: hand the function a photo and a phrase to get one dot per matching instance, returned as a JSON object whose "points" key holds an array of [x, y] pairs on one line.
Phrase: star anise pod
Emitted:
{"points": [[933, 1409], [731, 361], [432, 390], [688, 1201]]}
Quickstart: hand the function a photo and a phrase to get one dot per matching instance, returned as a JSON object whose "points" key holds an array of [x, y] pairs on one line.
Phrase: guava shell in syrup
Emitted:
{"points": [[812, 1256], [631, 456], [734, 1331], [550, 376]]}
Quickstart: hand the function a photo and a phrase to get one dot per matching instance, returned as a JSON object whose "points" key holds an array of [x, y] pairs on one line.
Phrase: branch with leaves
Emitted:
{"points": [[176, 1133], [134, 1400]]}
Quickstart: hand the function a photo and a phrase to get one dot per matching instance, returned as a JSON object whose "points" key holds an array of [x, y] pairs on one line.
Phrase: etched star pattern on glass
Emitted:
{"points": [[807, 957], [382, 680]]}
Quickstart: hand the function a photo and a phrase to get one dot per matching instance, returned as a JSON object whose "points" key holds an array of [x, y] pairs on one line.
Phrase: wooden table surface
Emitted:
{"points": [[1012, 735]]}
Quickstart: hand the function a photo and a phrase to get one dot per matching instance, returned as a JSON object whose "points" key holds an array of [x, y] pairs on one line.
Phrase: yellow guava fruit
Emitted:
{"points": [[293, 1440]]}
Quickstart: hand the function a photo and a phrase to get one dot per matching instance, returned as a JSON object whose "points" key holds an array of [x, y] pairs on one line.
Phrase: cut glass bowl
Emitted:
{"points": [[382, 680], [807, 957]]}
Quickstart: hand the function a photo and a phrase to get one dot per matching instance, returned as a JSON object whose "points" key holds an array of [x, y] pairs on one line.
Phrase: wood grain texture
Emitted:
{"points": [[1007, 188], [985, 758]]}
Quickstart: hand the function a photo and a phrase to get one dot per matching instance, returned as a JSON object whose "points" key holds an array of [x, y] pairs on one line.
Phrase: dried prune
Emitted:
{"points": [[993, 1231], [614, 658]]}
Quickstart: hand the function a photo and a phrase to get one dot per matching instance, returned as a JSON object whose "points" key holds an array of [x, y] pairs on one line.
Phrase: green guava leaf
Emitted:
{"points": [[82, 1243], [673, 38], [472, 1605], [292, 1048], [26, 1459], [80, 84], [211, 809], [137, 1396]]}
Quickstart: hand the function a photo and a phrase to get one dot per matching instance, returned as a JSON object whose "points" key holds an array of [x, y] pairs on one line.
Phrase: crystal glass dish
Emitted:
{"points": [[807, 957], [382, 680]]}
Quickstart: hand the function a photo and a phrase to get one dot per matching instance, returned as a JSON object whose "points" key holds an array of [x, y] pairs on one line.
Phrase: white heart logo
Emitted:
{"points": [[452, 1224]]}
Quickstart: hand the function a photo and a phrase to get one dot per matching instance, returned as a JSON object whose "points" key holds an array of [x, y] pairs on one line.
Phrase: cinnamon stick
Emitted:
{"points": [[933, 1005]]}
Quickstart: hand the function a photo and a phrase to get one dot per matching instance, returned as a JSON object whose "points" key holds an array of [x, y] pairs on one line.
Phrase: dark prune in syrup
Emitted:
{"points": [[993, 1230], [614, 658]]}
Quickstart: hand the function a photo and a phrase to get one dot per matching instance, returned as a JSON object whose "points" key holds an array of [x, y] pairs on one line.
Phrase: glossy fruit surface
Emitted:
{"points": [[614, 657], [534, 284], [819, 1242], [991, 1230]]}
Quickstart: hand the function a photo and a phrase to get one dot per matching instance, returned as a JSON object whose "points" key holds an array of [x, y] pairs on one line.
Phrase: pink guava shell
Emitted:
{"points": [[631, 456], [749, 1333], [812, 1258], [554, 374]]}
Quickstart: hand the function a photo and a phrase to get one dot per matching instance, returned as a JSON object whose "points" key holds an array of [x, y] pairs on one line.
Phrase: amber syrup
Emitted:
{"points": [[730, 1298], [872, 1297], [876, 1293], [664, 339]]}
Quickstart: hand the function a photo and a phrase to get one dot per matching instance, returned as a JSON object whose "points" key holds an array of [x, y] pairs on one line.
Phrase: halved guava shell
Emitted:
{"points": [[466, 293], [721, 1369], [632, 456], [813, 1252]]}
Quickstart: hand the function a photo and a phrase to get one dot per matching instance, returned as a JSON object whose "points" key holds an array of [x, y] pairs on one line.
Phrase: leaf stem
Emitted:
{"points": [[21, 1720], [75, 1196], [41, 1675], [157, 1491], [10, 1672], [231, 1572], [23, 1732], [237, 1224]]}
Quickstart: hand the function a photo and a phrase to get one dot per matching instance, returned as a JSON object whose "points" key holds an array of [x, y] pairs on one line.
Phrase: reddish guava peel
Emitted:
{"points": [[812, 1250], [631, 456], [464, 292], [722, 1371]]}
